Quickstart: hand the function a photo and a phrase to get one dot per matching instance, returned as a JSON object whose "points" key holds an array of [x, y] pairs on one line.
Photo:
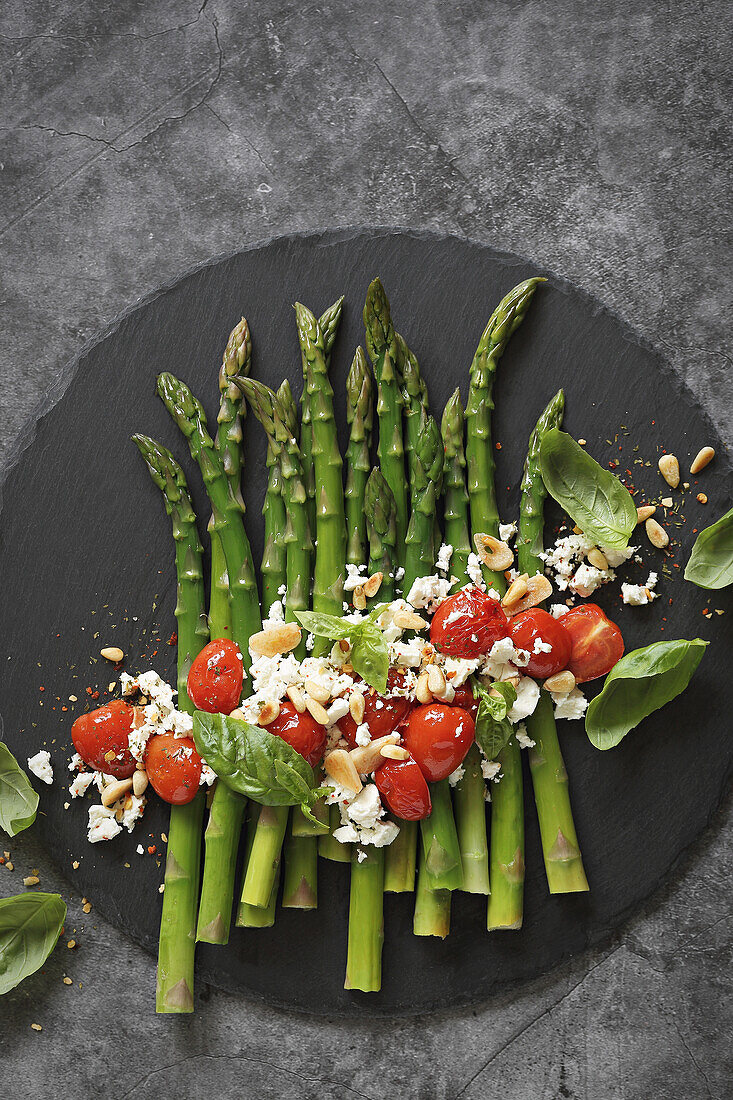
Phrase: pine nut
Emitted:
{"points": [[667, 502], [492, 552], [702, 498], [268, 714], [139, 783], [538, 589], [366, 758], [656, 534], [317, 691], [372, 586], [701, 459], [112, 653], [560, 683], [339, 766], [394, 752], [422, 691], [31, 880], [238, 713], [316, 710], [281, 639], [115, 791], [359, 599], [517, 589], [436, 680], [344, 645], [669, 468], [296, 697], [408, 620], [356, 707], [597, 558], [643, 513]]}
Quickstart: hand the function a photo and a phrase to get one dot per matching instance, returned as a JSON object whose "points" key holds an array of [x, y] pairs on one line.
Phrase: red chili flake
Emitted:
{"points": [[173, 640], [95, 695], [705, 610], [2, 860], [155, 653], [498, 446], [151, 849], [41, 688]]}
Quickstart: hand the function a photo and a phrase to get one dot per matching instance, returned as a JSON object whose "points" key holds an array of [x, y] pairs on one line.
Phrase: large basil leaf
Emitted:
{"points": [[30, 925], [369, 652], [18, 800], [711, 560], [254, 762], [596, 500], [493, 728], [326, 626], [642, 682]]}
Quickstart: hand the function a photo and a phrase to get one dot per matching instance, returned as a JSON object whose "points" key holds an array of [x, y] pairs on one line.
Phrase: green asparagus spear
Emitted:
{"points": [[289, 408], [414, 398], [272, 568], [432, 907], [425, 488], [384, 353], [358, 464], [470, 813], [440, 842], [456, 494], [300, 889], [256, 916], [180, 897], [506, 901], [563, 861], [366, 920], [379, 512], [328, 324]]}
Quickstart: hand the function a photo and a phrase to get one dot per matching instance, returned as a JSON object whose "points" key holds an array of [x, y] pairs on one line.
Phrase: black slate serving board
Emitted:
{"points": [[85, 560]]}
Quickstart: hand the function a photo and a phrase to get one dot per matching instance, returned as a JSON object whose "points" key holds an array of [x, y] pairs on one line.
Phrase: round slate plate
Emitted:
{"points": [[85, 560]]}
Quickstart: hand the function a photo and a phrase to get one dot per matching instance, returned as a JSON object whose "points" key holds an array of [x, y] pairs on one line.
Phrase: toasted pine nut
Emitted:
{"points": [[365, 758], [667, 502], [701, 459], [372, 586], [656, 534], [422, 691], [577, 530], [408, 620], [436, 679], [281, 639], [359, 598], [317, 691], [394, 752], [316, 710], [356, 707], [31, 880], [597, 558], [341, 768], [344, 645], [516, 590], [492, 552], [643, 513], [112, 653], [669, 468], [702, 498], [238, 713], [296, 697], [268, 714], [115, 791], [561, 682], [139, 782], [538, 589]]}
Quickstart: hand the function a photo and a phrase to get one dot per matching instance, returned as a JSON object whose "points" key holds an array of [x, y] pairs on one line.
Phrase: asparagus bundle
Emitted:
{"points": [[180, 896], [563, 861]]}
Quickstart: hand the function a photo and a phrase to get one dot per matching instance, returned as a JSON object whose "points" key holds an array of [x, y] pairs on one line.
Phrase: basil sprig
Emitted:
{"points": [[711, 560], [30, 925], [369, 652], [18, 800], [493, 728], [642, 682], [255, 762], [597, 501]]}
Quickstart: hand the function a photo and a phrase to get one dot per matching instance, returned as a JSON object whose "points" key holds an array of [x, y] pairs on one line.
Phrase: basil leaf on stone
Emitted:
{"points": [[30, 925], [640, 683], [370, 656], [18, 800], [493, 728], [253, 761], [711, 560], [598, 502]]}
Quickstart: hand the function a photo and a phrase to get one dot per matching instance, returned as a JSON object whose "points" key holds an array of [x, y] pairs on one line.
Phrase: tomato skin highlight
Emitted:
{"points": [[106, 730], [301, 731], [596, 641], [215, 678], [403, 788], [438, 737], [174, 768], [468, 623], [527, 627], [381, 720]]}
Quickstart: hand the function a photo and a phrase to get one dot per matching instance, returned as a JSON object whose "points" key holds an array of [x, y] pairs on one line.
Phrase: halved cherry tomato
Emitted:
{"points": [[402, 786], [537, 625], [463, 697], [597, 643], [468, 623], [382, 713], [301, 731], [215, 677], [173, 767], [104, 731], [438, 736]]}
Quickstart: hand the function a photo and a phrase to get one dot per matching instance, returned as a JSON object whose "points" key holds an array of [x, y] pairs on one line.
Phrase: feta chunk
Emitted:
{"points": [[528, 696], [507, 531], [81, 784], [445, 554], [523, 739], [571, 705], [40, 765], [474, 571], [102, 824], [455, 777], [541, 647], [427, 592]]}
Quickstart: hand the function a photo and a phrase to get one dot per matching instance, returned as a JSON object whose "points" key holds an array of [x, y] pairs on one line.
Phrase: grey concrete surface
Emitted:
{"points": [[138, 140]]}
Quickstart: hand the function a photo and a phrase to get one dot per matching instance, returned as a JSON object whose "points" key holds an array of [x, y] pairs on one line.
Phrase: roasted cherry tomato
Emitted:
{"points": [[402, 786], [537, 625], [104, 731], [173, 767], [215, 677], [438, 737], [382, 713], [301, 731], [463, 697], [468, 623], [596, 642]]}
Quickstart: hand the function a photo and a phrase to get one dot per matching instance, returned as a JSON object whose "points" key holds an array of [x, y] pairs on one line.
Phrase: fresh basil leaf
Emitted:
{"points": [[711, 560], [370, 656], [327, 626], [642, 682], [30, 925], [597, 501], [493, 728], [305, 809], [253, 761], [18, 800]]}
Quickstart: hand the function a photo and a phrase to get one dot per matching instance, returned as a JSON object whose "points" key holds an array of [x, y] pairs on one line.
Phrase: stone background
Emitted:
{"points": [[139, 140]]}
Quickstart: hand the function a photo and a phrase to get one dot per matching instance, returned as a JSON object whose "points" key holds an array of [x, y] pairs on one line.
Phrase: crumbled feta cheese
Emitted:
{"points": [[366, 809], [557, 610], [523, 739], [81, 784], [490, 769], [445, 554], [587, 578], [75, 763], [275, 616], [361, 820], [140, 850], [457, 670], [355, 576], [428, 592], [208, 776], [407, 653], [541, 647], [474, 571], [455, 777], [362, 735], [639, 594], [507, 531], [310, 641], [399, 575], [504, 659], [102, 824], [528, 695], [133, 812], [571, 705], [40, 765], [339, 709]]}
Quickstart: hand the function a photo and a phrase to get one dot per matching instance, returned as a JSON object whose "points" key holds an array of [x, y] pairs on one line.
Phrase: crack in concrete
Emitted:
{"points": [[99, 35], [694, 1061]]}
